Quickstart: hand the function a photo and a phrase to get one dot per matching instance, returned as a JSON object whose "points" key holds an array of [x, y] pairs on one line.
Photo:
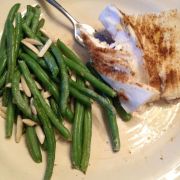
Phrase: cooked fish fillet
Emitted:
{"points": [[159, 37], [143, 63]]}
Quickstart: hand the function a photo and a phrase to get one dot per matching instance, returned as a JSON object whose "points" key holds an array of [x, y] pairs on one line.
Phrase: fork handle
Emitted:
{"points": [[63, 11]]}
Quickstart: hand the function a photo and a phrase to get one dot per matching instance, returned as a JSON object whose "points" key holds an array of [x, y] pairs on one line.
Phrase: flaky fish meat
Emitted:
{"points": [[142, 62]]}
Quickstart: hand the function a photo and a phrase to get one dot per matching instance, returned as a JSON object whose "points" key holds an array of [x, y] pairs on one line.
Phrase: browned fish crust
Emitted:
{"points": [[151, 31], [158, 36]]}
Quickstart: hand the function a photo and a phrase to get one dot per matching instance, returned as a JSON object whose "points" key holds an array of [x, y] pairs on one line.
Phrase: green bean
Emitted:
{"points": [[76, 135], [108, 107], [33, 144], [88, 76], [3, 79], [87, 133], [25, 98], [11, 59], [40, 61], [33, 88], [111, 117], [18, 33], [29, 15], [13, 12], [10, 118], [50, 139], [35, 20], [93, 71], [10, 18], [90, 93], [40, 24], [125, 116], [27, 102], [10, 51], [113, 129], [28, 31], [3, 57], [3, 61], [51, 64], [41, 75], [76, 152], [6, 95], [54, 106], [49, 59], [80, 97], [69, 115], [57, 53], [29, 52], [69, 53], [64, 86], [44, 145], [17, 96], [116, 102], [41, 37], [96, 74]]}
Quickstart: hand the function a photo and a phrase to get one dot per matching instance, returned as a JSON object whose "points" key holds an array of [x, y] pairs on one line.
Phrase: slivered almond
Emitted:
{"points": [[44, 32], [8, 85], [47, 101], [40, 134], [87, 83], [20, 87], [33, 41], [19, 129], [3, 109], [2, 114], [30, 46], [25, 87], [45, 48], [38, 85], [57, 137], [73, 77], [45, 94], [29, 122], [33, 109]]}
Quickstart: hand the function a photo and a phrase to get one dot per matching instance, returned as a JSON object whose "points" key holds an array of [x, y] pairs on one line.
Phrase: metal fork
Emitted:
{"points": [[76, 24]]}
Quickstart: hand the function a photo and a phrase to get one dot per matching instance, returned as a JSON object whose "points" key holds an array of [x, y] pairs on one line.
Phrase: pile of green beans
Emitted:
{"points": [[70, 96]]}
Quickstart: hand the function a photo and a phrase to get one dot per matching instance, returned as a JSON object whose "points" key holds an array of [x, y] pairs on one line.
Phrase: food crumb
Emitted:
{"points": [[129, 151], [161, 157], [148, 137], [171, 139]]}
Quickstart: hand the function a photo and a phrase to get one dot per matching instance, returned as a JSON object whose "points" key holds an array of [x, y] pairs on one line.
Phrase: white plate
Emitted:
{"points": [[149, 143]]}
